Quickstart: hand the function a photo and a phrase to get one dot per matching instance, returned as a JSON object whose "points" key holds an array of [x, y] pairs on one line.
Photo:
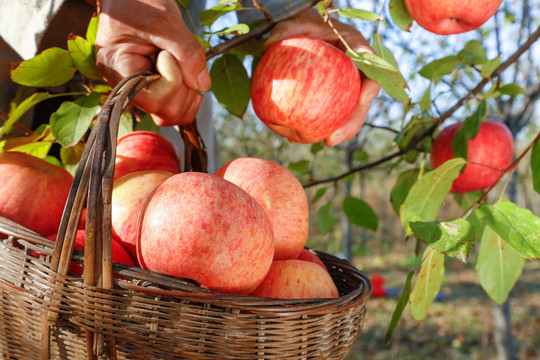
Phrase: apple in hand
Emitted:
{"points": [[119, 253], [201, 227], [33, 192], [304, 89], [489, 152], [296, 279], [144, 150], [128, 195], [311, 256], [445, 17], [280, 194]]}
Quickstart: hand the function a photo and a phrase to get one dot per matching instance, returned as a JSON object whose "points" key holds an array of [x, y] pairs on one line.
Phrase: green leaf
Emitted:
{"points": [[183, 3], [316, 147], [38, 149], [319, 194], [417, 125], [383, 51], [400, 14], [360, 213], [300, 166], [359, 14], [70, 157], [519, 227], [125, 126], [453, 238], [468, 131], [91, 30], [349, 178], [535, 166], [360, 156], [428, 193], [466, 200], [16, 113], [231, 84], [52, 67], [400, 306], [72, 119], [473, 53], [489, 67], [425, 102], [234, 30], [498, 266], [511, 89], [209, 16], [84, 57], [326, 218], [427, 284], [146, 123], [402, 187], [381, 71], [436, 69]]}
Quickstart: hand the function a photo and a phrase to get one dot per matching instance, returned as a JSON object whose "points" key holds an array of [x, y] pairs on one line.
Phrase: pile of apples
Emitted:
{"points": [[241, 230]]}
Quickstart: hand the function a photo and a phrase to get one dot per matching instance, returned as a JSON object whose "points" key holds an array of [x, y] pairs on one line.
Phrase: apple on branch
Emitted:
{"points": [[490, 152], [280, 194], [445, 17], [33, 192], [304, 89]]}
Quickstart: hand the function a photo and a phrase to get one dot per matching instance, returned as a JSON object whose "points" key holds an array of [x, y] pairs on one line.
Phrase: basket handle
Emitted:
{"points": [[93, 183]]}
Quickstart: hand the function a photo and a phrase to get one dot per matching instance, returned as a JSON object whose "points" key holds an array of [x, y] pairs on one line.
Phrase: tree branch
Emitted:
{"points": [[258, 31]]}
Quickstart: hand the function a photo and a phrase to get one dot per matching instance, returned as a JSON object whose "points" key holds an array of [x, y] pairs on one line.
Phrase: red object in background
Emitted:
{"points": [[378, 286]]}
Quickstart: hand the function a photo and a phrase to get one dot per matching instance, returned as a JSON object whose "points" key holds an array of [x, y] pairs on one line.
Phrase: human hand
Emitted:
{"points": [[137, 35], [310, 24]]}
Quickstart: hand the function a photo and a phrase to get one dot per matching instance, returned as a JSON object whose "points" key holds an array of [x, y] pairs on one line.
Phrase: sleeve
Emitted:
{"points": [[30, 26]]}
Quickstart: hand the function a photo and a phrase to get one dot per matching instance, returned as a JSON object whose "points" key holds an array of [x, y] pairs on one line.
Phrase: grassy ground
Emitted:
{"points": [[459, 326]]}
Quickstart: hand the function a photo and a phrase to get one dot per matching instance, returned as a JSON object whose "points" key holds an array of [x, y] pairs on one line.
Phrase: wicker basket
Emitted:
{"points": [[119, 312]]}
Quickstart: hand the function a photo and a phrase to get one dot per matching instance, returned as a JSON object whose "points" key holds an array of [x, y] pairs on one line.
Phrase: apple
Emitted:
{"points": [[128, 195], [119, 253], [33, 192], [144, 150], [280, 194], [202, 227], [489, 152], [296, 279], [445, 17], [311, 256], [304, 89]]}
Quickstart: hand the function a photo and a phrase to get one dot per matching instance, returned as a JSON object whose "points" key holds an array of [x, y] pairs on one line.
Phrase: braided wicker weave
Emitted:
{"points": [[119, 312]]}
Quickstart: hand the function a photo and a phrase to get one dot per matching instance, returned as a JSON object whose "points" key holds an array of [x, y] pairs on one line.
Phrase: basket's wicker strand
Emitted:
{"points": [[138, 314]]}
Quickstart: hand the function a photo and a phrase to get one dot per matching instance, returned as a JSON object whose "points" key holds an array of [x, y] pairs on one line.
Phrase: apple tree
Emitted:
{"points": [[429, 81]]}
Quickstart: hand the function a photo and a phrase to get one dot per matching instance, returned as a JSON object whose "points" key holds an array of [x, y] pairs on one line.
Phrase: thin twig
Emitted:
{"points": [[258, 31]]}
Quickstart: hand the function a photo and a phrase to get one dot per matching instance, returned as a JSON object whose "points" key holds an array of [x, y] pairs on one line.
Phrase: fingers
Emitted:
{"points": [[169, 99], [369, 91]]}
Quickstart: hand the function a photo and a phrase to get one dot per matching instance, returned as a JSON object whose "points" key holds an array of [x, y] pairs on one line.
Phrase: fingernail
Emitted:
{"points": [[204, 81], [336, 138]]}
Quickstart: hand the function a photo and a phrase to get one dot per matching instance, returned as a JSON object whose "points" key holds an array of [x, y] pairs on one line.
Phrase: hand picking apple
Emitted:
{"points": [[309, 24], [445, 17]]}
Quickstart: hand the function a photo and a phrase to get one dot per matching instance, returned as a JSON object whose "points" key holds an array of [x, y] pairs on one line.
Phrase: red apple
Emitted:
{"points": [[33, 192], [119, 253], [128, 195], [296, 279], [489, 152], [202, 227], [280, 194], [304, 89], [311, 256], [446, 17], [144, 150]]}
